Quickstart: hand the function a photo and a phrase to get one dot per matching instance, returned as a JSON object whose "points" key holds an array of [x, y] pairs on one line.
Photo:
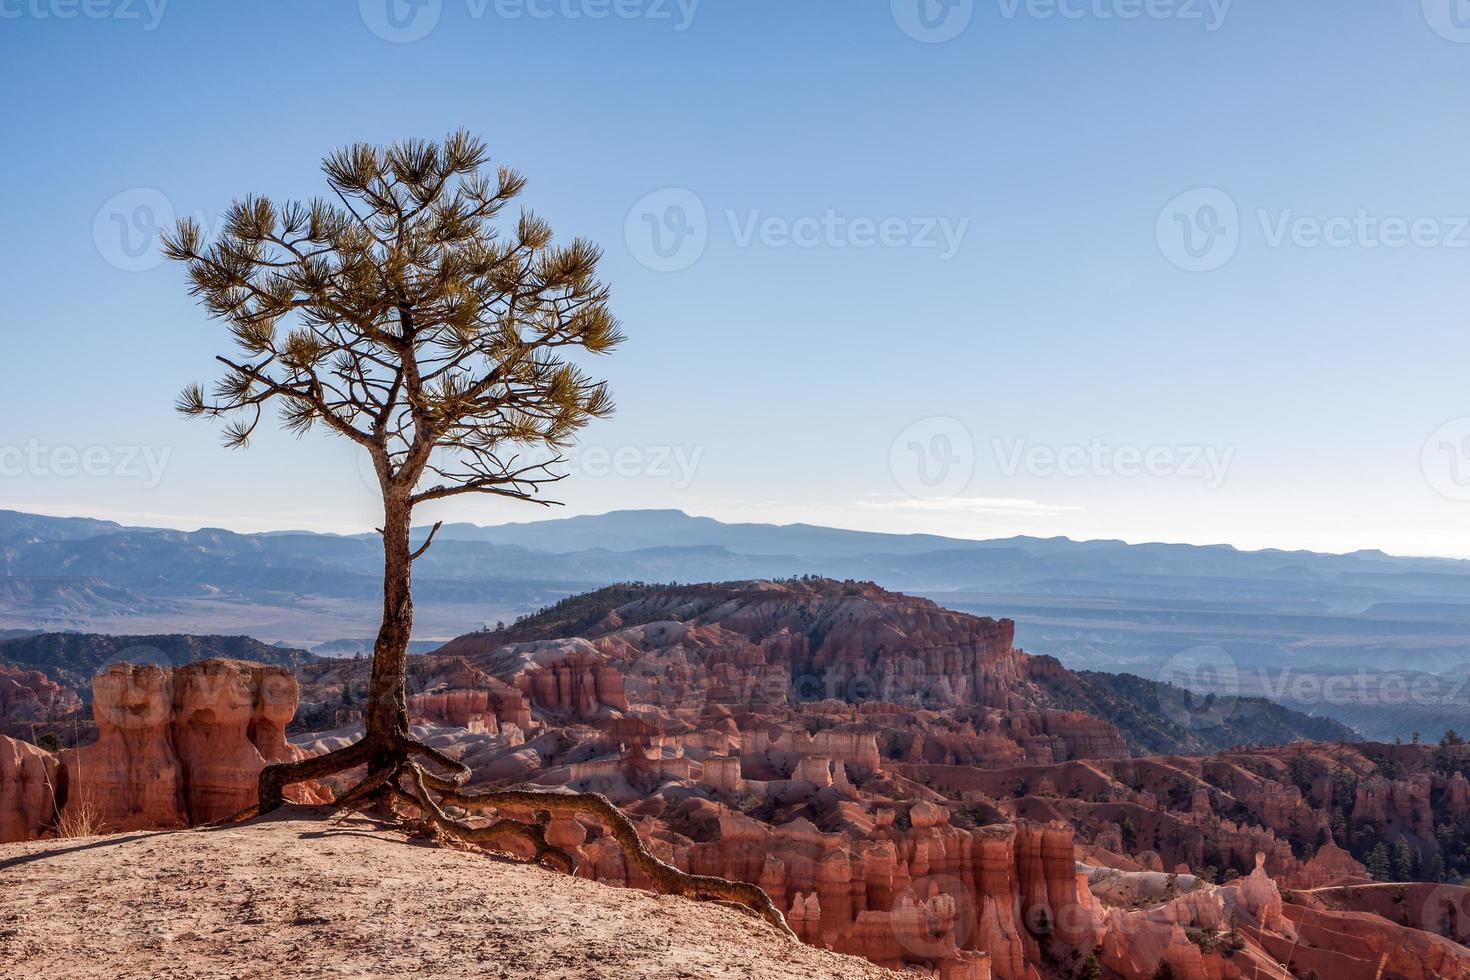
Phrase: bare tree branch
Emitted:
{"points": [[418, 553]]}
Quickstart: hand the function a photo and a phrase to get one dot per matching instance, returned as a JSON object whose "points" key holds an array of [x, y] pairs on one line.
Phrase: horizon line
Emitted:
{"points": [[794, 524]]}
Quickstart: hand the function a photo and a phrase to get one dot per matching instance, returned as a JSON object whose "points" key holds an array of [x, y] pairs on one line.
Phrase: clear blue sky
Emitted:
{"points": [[821, 378]]}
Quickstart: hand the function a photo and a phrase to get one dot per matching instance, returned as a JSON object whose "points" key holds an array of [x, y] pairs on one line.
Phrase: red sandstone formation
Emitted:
{"points": [[30, 696], [1442, 909], [830, 647], [129, 779], [856, 642], [977, 902], [455, 693], [1330, 865], [229, 722], [567, 679], [468, 709], [1457, 797], [1395, 802], [180, 747], [994, 900], [29, 779], [1364, 946]]}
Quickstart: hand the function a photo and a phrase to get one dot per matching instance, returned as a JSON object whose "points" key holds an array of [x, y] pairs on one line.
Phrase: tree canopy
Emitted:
{"points": [[399, 314]]}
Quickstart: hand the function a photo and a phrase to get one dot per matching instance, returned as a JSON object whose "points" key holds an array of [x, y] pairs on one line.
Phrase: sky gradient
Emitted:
{"points": [[1144, 270]]}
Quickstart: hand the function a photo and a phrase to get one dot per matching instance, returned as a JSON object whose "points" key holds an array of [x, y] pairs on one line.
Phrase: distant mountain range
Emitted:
{"points": [[661, 530], [1098, 605], [667, 544]]}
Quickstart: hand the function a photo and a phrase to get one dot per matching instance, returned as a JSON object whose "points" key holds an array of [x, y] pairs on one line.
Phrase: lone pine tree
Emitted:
{"points": [[404, 314]]}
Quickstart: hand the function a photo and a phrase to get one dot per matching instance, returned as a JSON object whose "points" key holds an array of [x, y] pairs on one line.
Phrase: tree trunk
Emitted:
{"points": [[386, 720]]}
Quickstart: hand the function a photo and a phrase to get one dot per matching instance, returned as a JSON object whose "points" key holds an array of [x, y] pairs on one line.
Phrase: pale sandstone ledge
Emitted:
{"points": [[299, 898]]}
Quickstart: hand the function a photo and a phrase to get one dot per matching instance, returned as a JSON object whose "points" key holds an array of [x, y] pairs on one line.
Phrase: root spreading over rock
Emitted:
{"points": [[396, 775]]}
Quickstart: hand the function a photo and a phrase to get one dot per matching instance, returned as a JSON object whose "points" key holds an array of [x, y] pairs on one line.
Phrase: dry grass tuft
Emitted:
{"points": [[81, 821], [73, 821]]}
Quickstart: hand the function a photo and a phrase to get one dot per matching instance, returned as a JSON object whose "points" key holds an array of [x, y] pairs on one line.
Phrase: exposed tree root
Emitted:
{"points": [[390, 761], [533, 834], [363, 793], [274, 779], [665, 877]]}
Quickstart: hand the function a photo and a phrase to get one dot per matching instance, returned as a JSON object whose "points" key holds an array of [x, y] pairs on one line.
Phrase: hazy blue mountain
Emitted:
{"points": [[17, 527], [639, 530]]}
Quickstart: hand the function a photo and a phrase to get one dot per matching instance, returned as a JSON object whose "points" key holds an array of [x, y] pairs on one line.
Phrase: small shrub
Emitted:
{"points": [[81, 821]]}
